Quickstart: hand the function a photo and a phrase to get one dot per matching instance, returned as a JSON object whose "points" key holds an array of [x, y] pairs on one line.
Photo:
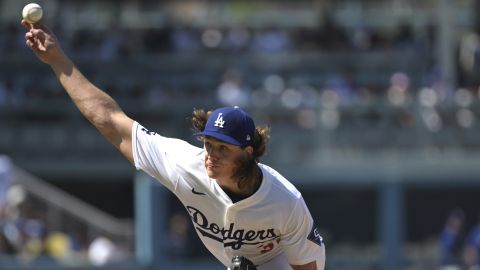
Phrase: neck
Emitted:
{"points": [[253, 183], [243, 186]]}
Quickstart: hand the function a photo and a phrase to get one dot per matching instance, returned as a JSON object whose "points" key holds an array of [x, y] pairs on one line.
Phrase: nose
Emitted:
{"points": [[213, 156]]}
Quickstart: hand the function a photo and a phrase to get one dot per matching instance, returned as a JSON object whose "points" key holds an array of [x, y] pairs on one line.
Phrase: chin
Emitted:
{"points": [[210, 173]]}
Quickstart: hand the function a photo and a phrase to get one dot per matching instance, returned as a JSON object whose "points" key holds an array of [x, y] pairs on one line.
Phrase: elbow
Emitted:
{"points": [[101, 114], [101, 120], [106, 127]]}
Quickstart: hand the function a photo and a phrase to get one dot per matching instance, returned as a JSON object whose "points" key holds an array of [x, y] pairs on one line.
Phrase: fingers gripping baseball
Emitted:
{"points": [[36, 40], [41, 41]]}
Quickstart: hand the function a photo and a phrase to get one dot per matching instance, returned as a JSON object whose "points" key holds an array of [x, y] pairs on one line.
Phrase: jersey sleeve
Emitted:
{"points": [[301, 240], [159, 156]]}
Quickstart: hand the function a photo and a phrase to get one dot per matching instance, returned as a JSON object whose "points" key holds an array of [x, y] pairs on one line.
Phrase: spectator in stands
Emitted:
{"points": [[4, 94], [451, 241], [10, 39], [12, 225], [271, 40], [231, 92], [100, 251], [185, 40], [405, 38], [468, 59], [5, 181], [6, 178], [103, 250], [180, 246], [237, 39], [112, 45], [11, 93], [157, 40], [472, 248], [331, 36], [343, 84]]}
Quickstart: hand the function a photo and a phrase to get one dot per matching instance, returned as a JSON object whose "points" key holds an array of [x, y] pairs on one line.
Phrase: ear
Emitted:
{"points": [[249, 150]]}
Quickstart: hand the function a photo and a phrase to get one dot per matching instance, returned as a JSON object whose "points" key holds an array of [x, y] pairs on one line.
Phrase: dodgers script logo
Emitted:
{"points": [[230, 237], [219, 121]]}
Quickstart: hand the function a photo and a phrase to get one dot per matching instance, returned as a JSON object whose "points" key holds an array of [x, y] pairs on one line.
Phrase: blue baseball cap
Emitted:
{"points": [[231, 125]]}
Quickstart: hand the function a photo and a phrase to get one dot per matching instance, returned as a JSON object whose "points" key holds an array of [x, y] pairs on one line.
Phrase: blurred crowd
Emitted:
{"points": [[31, 237], [334, 91], [338, 101], [116, 43], [121, 42]]}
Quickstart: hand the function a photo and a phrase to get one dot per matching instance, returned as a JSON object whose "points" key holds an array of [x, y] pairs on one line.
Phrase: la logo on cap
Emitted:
{"points": [[231, 125], [219, 122]]}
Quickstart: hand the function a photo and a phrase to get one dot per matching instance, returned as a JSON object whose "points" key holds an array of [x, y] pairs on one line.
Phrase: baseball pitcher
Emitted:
{"points": [[246, 213]]}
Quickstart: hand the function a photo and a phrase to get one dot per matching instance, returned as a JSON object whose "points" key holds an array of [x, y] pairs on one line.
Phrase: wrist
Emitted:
{"points": [[61, 64]]}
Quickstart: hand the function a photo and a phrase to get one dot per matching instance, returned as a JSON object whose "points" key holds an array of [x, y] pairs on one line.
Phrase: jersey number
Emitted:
{"points": [[267, 247]]}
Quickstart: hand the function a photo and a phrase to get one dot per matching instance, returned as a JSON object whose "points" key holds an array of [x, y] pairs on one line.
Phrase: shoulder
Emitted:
{"points": [[279, 184], [159, 149], [141, 134]]}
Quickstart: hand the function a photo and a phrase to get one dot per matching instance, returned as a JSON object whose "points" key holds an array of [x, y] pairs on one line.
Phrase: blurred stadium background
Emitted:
{"points": [[374, 107]]}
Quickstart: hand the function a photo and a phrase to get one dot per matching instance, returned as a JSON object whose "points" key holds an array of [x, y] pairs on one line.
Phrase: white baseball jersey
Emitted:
{"points": [[273, 227]]}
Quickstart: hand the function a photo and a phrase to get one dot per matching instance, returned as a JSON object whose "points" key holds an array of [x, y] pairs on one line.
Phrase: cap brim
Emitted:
{"points": [[219, 136]]}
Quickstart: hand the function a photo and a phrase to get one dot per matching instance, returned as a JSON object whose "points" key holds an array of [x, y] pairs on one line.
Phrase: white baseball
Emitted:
{"points": [[32, 13]]}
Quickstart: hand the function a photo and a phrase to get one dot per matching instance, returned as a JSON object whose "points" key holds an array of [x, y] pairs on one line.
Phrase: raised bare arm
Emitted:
{"points": [[97, 106]]}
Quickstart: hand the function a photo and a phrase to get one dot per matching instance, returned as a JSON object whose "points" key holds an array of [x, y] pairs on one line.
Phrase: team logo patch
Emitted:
{"points": [[315, 236], [219, 122]]}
